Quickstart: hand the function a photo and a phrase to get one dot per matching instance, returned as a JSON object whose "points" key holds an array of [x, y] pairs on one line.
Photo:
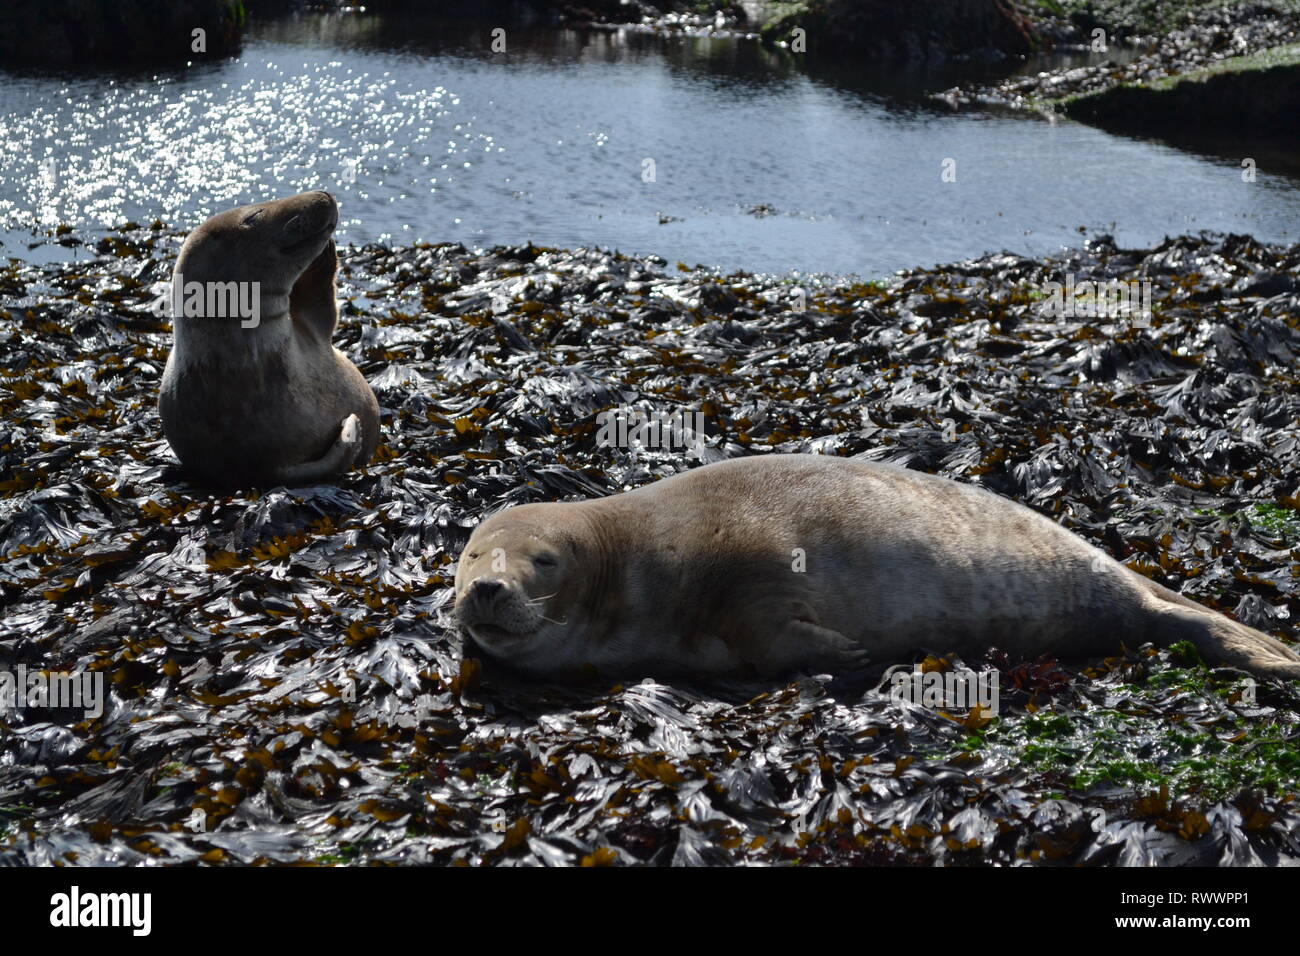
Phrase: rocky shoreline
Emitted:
{"points": [[1255, 98], [1210, 37], [1154, 44], [281, 669]]}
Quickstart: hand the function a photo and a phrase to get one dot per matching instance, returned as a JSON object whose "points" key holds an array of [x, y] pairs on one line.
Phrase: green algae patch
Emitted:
{"points": [[1272, 520], [1163, 726]]}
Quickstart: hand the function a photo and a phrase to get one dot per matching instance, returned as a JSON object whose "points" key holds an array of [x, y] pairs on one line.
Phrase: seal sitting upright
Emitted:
{"points": [[784, 562], [267, 401]]}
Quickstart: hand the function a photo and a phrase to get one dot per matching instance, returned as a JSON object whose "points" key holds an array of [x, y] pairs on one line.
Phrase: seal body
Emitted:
{"points": [[268, 400], [780, 563]]}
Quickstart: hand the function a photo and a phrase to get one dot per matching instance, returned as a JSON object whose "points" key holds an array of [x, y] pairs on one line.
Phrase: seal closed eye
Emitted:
{"points": [[779, 563], [271, 401]]}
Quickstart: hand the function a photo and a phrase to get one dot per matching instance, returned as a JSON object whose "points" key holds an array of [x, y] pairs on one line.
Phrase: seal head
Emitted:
{"points": [[525, 585]]}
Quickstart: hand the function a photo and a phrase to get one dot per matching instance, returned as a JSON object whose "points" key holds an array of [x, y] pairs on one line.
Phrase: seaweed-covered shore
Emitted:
{"points": [[285, 685]]}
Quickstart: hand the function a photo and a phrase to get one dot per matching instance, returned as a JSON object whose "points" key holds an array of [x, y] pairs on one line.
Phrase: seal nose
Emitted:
{"points": [[484, 589], [313, 211], [325, 202]]}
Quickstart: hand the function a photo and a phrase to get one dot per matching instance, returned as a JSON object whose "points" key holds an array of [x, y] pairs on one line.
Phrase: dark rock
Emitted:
{"points": [[125, 33]]}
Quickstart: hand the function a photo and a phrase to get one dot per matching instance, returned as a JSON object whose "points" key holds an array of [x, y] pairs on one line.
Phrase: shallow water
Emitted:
{"points": [[425, 134]]}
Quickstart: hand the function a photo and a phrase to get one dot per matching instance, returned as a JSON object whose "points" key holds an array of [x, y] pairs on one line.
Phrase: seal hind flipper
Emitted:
{"points": [[340, 457], [1218, 638]]}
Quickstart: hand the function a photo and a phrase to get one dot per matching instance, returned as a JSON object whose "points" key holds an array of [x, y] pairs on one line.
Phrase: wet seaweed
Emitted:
{"points": [[286, 685]]}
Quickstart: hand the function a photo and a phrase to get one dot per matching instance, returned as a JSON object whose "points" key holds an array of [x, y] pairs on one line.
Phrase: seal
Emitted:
{"points": [[267, 401], [779, 563]]}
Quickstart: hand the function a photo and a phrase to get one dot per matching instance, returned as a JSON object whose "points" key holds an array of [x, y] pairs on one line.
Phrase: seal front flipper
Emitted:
{"points": [[312, 305], [802, 645], [341, 456]]}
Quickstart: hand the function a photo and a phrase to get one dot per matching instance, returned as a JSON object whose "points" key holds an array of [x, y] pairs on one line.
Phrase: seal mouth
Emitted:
{"points": [[312, 238], [495, 632]]}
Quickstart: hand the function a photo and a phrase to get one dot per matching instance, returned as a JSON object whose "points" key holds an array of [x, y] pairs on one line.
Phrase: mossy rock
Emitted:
{"points": [[1257, 95]]}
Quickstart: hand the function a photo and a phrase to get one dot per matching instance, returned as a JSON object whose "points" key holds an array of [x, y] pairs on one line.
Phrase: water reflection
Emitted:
{"points": [[425, 133]]}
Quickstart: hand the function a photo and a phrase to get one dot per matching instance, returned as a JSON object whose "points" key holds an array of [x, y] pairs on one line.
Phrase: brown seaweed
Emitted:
{"points": [[285, 684]]}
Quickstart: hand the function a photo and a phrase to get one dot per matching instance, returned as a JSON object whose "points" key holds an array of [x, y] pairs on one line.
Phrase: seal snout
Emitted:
{"points": [[485, 589], [486, 599], [492, 608], [313, 215]]}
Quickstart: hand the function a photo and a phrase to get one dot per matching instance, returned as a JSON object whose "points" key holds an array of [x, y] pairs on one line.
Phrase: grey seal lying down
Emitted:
{"points": [[269, 401], [778, 563]]}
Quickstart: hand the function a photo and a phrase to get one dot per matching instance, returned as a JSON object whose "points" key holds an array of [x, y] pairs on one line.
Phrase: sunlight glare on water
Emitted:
{"points": [[758, 165], [179, 150]]}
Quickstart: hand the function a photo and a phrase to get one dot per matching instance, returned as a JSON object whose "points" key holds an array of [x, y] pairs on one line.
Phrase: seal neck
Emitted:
{"points": [[604, 586]]}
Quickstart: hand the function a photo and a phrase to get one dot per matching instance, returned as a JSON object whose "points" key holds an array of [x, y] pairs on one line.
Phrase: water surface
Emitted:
{"points": [[424, 133]]}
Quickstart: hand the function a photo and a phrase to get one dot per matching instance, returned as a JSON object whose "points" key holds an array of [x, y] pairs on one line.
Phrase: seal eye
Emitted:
{"points": [[250, 218], [472, 555], [544, 561]]}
